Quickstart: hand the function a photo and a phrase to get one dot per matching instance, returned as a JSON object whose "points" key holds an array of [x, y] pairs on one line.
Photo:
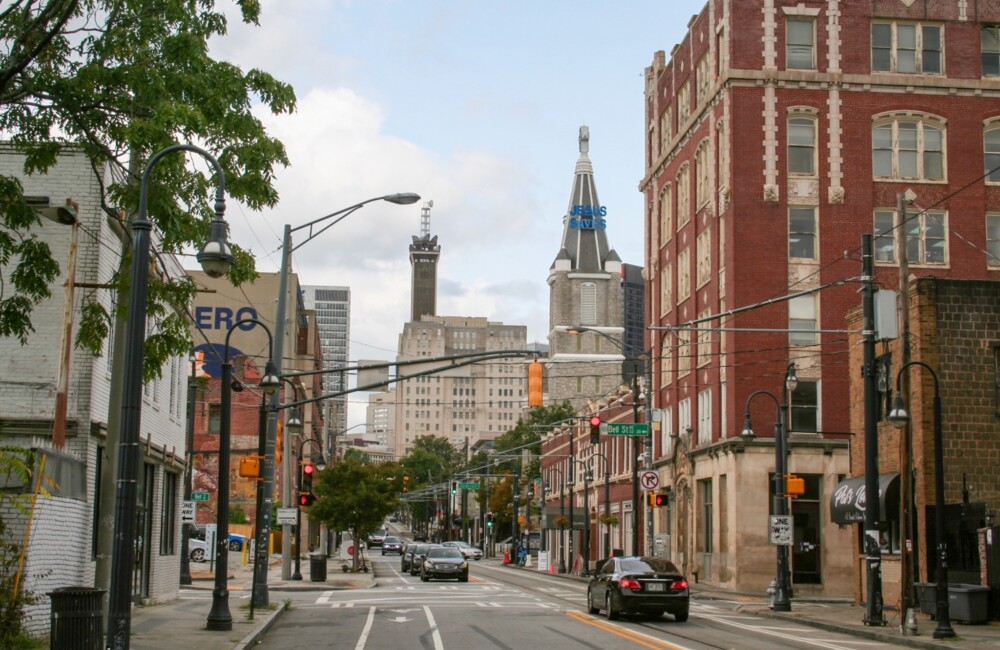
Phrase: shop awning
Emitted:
{"points": [[847, 505]]}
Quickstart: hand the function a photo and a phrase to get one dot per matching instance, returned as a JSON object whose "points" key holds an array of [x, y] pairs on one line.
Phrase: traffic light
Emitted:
{"points": [[489, 520], [656, 499], [595, 429], [536, 372], [406, 482], [454, 488], [306, 496], [795, 486]]}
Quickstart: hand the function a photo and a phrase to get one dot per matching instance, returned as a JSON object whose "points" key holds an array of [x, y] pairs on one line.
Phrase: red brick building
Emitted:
{"points": [[778, 133]]}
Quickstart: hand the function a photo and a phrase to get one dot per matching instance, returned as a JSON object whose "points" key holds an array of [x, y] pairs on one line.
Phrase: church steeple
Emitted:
{"points": [[585, 240]]}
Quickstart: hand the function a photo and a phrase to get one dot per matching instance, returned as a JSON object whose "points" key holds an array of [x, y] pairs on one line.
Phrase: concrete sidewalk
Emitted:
{"points": [[180, 623]]}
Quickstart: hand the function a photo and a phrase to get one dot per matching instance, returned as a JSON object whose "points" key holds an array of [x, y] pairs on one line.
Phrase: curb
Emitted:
{"points": [[864, 633], [252, 638]]}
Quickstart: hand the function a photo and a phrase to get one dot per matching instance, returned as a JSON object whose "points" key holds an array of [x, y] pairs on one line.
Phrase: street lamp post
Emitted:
{"points": [[607, 501], [782, 598], [215, 257], [219, 617], [562, 511], [188, 471], [279, 331], [587, 478], [900, 418]]}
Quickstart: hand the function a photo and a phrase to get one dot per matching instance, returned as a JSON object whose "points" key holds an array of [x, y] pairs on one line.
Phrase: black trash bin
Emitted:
{"points": [[317, 567], [76, 622]]}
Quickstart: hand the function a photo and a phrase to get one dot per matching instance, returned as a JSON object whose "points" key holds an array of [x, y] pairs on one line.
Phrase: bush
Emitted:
{"points": [[12, 632]]}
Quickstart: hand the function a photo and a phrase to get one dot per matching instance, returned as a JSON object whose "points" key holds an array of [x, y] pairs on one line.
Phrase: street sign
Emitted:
{"points": [[287, 516], [468, 486], [628, 429], [189, 511], [781, 530], [649, 480], [199, 496]]}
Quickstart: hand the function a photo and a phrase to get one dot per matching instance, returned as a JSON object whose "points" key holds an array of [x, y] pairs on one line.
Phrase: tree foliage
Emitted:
{"points": [[118, 80], [15, 469], [356, 496]]}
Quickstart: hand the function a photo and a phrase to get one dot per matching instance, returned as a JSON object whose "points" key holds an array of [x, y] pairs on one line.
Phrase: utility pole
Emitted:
{"points": [[873, 551], [907, 516]]}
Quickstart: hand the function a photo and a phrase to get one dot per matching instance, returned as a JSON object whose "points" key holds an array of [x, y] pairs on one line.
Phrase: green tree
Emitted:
{"points": [[15, 469], [119, 80], [352, 495]]}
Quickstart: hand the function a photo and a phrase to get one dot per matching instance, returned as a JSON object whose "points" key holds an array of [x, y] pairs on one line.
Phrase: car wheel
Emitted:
{"points": [[464, 578], [424, 578], [611, 613], [591, 608], [680, 617], [235, 546], [198, 555]]}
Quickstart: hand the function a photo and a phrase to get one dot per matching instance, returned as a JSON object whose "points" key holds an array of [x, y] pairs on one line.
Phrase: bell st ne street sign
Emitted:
{"points": [[628, 429]]}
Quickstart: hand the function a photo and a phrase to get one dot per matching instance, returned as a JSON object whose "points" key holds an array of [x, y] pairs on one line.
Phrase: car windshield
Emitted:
{"points": [[648, 565], [392, 540], [443, 552], [422, 549]]}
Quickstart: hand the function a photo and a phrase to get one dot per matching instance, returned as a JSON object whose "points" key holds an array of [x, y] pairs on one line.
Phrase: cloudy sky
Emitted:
{"points": [[473, 104]]}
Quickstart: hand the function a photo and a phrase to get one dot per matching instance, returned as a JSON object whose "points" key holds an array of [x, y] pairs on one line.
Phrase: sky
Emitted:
{"points": [[473, 105]]}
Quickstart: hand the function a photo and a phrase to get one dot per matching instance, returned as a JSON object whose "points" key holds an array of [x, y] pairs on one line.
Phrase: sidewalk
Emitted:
{"points": [[180, 623]]}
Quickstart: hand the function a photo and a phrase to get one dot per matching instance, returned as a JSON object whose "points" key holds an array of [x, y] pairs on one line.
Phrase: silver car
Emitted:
{"points": [[469, 551]]}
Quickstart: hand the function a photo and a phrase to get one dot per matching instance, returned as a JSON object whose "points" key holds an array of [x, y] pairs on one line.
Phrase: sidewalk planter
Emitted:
{"points": [[76, 621], [968, 603]]}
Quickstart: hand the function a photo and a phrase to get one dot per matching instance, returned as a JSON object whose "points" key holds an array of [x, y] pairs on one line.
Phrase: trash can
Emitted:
{"points": [[927, 597], [76, 622], [317, 567], [968, 603]]}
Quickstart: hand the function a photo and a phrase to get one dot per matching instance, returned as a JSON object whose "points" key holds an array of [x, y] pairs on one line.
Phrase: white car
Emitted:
{"points": [[468, 550], [197, 550]]}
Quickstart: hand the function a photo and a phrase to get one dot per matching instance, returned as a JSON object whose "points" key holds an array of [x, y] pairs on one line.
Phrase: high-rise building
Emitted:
{"points": [[333, 318], [778, 134], [585, 289], [424, 255]]}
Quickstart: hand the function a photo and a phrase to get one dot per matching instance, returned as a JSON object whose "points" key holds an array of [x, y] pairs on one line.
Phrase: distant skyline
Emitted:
{"points": [[475, 105]]}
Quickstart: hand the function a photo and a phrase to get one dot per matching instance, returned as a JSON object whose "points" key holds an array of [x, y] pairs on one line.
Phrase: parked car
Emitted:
{"points": [[444, 562], [468, 550], [392, 544], [236, 542], [376, 537], [197, 550], [416, 554], [639, 585], [419, 536]]}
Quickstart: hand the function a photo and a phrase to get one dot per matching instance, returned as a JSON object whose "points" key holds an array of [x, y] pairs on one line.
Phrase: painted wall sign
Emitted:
{"points": [[222, 318], [208, 362]]}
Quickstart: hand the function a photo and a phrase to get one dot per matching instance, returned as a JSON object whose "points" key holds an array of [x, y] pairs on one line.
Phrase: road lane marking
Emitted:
{"points": [[631, 635], [365, 632], [770, 631], [435, 632]]}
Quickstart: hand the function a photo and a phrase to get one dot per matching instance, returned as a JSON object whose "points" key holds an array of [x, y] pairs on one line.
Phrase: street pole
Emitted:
{"points": [[587, 477], [872, 548], [635, 467], [259, 597], [188, 473], [571, 483], [782, 600]]}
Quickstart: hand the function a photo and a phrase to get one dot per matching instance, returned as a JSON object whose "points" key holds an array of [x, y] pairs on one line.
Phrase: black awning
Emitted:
{"points": [[847, 505]]}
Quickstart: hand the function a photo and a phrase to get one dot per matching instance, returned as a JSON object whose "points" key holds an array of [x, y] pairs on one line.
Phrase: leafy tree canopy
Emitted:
{"points": [[527, 436], [118, 80]]}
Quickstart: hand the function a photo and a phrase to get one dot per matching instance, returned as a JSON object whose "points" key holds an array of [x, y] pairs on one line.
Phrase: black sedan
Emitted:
{"points": [[639, 585], [392, 545], [444, 562], [413, 558]]}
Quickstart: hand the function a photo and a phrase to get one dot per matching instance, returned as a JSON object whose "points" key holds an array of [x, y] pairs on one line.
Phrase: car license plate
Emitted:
{"points": [[655, 586]]}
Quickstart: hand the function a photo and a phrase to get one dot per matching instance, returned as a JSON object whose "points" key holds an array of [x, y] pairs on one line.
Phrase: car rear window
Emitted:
{"points": [[649, 565], [443, 552]]}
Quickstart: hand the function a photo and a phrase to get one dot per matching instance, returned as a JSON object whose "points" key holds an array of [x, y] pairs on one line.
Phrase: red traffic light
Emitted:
{"points": [[306, 499], [595, 420], [308, 469]]}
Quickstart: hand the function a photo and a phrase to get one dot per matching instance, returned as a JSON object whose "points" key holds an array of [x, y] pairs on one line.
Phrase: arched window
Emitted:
{"points": [[908, 147], [991, 152], [802, 145]]}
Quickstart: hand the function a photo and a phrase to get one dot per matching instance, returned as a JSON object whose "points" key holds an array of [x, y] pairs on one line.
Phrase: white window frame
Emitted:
{"points": [[796, 217], [923, 127], [683, 103], [705, 417], [703, 249], [796, 123], [908, 58], [809, 46], [991, 151], [703, 77], [704, 349], [683, 209], [993, 241], [802, 320], [798, 406], [588, 303], [667, 289], [666, 215], [703, 189], [665, 129], [921, 230], [683, 275], [990, 50], [684, 355]]}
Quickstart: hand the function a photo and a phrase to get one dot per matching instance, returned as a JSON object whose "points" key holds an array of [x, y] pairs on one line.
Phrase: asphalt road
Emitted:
{"points": [[501, 607]]}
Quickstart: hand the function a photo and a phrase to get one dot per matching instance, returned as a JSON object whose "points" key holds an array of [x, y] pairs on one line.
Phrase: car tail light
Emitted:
{"points": [[629, 583], [679, 585]]}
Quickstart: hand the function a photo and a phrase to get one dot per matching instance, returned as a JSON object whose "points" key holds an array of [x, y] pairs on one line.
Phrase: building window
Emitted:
{"points": [[805, 407], [168, 514], [214, 418], [704, 340], [908, 149], [703, 73], [665, 130], [802, 146], [802, 233], [588, 303], [991, 155], [667, 367], [705, 496], [684, 355], [703, 189], [800, 46], [684, 275], [721, 156], [991, 50], [993, 240], [704, 251], [926, 238], [802, 320], [683, 196], [666, 215], [906, 47], [705, 417], [683, 103], [667, 289]]}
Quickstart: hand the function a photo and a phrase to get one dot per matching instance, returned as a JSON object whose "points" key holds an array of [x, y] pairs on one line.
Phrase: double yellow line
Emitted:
{"points": [[635, 637]]}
